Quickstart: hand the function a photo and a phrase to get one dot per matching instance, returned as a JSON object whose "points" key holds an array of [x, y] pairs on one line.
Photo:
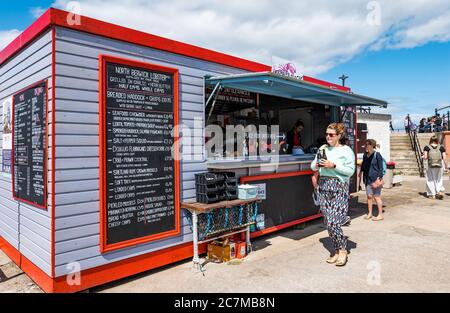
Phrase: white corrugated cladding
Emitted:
{"points": [[77, 155], [25, 227]]}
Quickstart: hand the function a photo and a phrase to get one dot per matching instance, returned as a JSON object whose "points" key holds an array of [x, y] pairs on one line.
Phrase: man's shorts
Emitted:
{"points": [[373, 192]]}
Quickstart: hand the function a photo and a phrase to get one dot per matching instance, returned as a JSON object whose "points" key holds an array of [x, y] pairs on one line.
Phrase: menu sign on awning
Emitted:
{"points": [[29, 145], [230, 99], [139, 171]]}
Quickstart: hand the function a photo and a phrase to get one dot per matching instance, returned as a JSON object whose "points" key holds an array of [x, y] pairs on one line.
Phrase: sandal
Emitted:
{"points": [[377, 218], [341, 260], [368, 217], [333, 259]]}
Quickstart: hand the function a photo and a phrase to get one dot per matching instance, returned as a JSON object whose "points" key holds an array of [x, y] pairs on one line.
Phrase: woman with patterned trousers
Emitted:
{"points": [[336, 164]]}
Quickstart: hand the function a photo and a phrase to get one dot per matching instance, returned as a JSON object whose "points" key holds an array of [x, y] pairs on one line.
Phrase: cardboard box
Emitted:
{"points": [[241, 249], [220, 252]]}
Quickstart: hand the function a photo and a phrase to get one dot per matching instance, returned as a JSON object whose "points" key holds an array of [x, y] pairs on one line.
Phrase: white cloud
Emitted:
{"points": [[37, 11], [318, 34], [6, 36]]}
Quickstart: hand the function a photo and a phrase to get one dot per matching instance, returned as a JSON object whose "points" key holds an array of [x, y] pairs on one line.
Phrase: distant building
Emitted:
{"points": [[374, 126]]}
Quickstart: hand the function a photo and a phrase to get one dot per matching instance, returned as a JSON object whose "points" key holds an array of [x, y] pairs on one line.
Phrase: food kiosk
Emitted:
{"points": [[93, 171]]}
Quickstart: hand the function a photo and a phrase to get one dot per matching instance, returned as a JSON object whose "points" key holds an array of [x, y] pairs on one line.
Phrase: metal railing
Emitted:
{"points": [[415, 144]]}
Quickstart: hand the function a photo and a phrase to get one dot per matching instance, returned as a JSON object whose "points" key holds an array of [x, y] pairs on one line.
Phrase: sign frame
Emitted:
{"points": [[46, 145], [343, 111], [103, 60]]}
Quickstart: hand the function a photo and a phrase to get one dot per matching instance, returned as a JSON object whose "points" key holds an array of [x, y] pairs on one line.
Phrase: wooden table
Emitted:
{"points": [[200, 208]]}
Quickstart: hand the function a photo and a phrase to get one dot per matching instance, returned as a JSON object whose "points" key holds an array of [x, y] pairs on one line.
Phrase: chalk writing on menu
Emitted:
{"points": [[139, 164], [29, 145]]}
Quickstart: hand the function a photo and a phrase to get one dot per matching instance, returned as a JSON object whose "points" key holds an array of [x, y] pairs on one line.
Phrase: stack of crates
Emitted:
{"points": [[231, 185], [208, 187], [215, 187]]}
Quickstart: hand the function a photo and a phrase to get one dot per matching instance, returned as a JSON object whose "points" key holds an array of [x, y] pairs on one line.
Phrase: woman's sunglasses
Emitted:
{"points": [[330, 135]]}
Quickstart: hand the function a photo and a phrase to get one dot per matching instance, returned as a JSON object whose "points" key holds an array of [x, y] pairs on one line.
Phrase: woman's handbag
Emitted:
{"points": [[377, 184]]}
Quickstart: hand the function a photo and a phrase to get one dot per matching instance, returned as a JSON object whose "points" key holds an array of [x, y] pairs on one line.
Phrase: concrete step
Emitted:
{"points": [[405, 154], [407, 168], [412, 166], [401, 144], [401, 148], [400, 139], [402, 151], [398, 143], [404, 161], [408, 173]]}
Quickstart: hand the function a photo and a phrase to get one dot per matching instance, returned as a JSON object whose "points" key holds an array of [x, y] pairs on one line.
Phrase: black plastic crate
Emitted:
{"points": [[208, 178], [222, 196], [231, 185], [221, 187], [207, 198], [229, 175], [206, 189], [231, 194]]}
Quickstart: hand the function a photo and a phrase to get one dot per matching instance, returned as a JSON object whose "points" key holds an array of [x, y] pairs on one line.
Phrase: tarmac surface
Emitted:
{"points": [[407, 252]]}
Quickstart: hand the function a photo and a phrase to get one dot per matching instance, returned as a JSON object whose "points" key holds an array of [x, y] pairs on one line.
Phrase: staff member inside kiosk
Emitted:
{"points": [[293, 137]]}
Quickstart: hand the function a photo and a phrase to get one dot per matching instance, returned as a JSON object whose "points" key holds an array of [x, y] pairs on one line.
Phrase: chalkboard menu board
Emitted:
{"points": [[29, 145], [140, 200], [349, 119], [276, 208]]}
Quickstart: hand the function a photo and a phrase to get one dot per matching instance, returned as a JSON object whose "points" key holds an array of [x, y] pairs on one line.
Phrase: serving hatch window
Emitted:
{"points": [[241, 124]]}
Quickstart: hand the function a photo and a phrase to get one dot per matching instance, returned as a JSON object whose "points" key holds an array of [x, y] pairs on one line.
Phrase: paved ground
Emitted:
{"points": [[16, 280], [407, 252]]}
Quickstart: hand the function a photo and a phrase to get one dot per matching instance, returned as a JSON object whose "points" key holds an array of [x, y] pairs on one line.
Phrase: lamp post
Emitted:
{"points": [[343, 78]]}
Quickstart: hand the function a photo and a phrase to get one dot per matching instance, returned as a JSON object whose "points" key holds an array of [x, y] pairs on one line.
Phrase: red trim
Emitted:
{"points": [[57, 17], [102, 274], [53, 228], [10, 251], [33, 31], [104, 246], [325, 83], [283, 226], [44, 207], [44, 281], [245, 179], [128, 267]]}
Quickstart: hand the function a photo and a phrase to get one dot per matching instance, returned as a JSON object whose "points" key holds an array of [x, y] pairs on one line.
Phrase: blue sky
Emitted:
{"points": [[18, 14], [414, 80], [404, 59]]}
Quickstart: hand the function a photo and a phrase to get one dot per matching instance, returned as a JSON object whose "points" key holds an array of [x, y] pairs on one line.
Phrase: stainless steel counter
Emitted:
{"points": [[260, 162]]}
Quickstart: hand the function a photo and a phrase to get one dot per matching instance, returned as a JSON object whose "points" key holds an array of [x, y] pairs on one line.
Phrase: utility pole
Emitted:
{"points": [[343, 78]]}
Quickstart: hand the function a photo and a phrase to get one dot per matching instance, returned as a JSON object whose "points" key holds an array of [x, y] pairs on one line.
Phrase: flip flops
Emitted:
{"points": [[376, 219]]}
